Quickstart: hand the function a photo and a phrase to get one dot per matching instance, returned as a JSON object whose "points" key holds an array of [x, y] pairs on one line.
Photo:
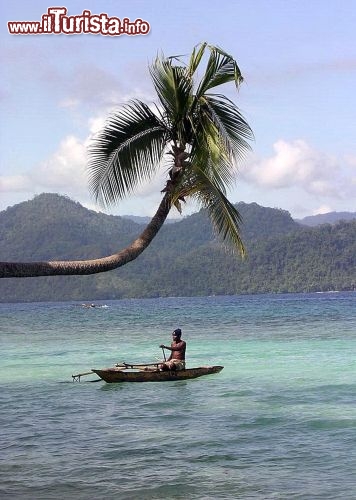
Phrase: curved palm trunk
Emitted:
{"points": [[79, 267]]}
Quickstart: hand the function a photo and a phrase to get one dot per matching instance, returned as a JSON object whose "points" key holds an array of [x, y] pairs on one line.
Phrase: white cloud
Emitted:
{"points": [[297, 164], [63, 172], [14, 183], [65, 168], [96, 124], [323, 209], [351, 160]]}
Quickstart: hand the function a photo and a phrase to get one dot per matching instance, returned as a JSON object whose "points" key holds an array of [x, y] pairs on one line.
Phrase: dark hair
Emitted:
{"points": [[178, 332]]}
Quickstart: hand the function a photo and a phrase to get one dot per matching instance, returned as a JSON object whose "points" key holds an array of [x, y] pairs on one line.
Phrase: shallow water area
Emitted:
{"points": [[278, 422]]}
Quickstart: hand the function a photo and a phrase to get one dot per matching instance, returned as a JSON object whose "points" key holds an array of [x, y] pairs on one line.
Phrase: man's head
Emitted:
{"points": [[177, 333]]}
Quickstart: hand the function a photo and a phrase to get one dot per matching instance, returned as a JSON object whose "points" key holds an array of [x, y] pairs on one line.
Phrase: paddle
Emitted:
{"points": [[164, 354]]}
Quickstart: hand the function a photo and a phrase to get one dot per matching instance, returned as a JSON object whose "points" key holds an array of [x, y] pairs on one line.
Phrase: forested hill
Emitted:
{"points": [[184, 259]]}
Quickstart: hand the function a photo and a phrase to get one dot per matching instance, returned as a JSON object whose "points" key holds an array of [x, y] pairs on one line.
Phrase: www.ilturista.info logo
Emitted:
{"points": [[57, 22]]}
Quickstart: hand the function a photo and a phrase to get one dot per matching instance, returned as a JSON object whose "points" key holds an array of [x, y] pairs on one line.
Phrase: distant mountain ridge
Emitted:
{"points": [[184, 259], [328, 218], [145, 220], [310, 220]]}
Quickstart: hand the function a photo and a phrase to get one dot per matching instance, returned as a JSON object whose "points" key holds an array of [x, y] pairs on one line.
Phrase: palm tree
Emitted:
{"points": [[202, 133]]}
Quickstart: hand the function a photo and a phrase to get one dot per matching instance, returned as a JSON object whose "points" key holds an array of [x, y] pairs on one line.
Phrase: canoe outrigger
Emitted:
{"points": [[149, 372]]}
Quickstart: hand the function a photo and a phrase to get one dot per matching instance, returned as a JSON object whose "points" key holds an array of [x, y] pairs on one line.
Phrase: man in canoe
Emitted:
{"points": [[176, 360]]}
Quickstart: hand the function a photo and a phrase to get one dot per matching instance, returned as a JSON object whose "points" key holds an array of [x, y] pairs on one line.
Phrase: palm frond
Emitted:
{"points": [[231, 125], [221, 68], [224, 217], [209, 154], [127, 151], [196, 58], [212, 150], [173, 87]]}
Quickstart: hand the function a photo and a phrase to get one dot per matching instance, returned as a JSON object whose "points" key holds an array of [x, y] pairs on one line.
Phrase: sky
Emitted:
{"points": [[298, 59]]}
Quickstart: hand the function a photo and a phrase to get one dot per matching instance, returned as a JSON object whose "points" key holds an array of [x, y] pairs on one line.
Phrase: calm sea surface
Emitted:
{"points": [[279, 422]]}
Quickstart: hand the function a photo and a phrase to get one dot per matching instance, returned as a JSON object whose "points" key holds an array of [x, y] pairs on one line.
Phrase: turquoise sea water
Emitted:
{"points": [[279, 422]]}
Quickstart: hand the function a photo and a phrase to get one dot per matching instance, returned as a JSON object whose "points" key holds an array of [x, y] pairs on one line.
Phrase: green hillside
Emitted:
{"points": [[185, 258]]}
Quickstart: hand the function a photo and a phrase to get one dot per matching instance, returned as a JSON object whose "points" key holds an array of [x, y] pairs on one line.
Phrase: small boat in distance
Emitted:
{"points": [[92, 306], [126, 372]]}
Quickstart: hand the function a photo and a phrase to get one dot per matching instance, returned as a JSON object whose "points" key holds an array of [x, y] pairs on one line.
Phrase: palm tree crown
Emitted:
{"points": [[202, 132]]}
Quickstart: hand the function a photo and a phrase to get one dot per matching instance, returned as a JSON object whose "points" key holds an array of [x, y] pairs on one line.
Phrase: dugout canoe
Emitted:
{"points": [[117, 374]]}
